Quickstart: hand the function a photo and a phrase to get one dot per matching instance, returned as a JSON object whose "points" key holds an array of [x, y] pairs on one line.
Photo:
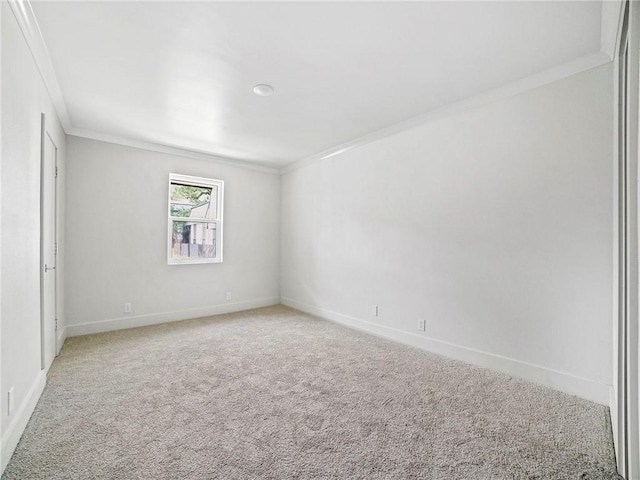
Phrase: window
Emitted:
{"points": [[195, 220]]}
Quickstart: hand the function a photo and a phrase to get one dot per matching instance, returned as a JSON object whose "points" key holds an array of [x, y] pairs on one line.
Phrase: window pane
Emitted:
{"points": [[193, 240], [191, 201]]}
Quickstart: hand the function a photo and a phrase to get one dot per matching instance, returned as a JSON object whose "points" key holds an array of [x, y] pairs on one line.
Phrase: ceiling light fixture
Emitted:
{"points": [[263, 90]]}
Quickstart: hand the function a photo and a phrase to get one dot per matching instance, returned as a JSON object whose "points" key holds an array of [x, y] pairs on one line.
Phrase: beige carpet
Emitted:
{"points": [[277, 394]]}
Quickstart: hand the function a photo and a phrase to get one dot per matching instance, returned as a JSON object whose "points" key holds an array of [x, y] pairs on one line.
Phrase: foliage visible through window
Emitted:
{"points": [[195, 220]]}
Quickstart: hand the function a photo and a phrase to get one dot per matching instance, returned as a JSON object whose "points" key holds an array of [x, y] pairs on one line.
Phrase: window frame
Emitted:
{"points": [[189, 180]]}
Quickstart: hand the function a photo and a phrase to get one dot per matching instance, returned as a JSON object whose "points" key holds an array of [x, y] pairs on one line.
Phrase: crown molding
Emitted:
{"points": [[534, 81], [180, 152], [33, 36], [28, 24], [22, 10]]}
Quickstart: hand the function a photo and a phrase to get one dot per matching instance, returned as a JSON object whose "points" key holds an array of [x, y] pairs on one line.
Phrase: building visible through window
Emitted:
{"points": [[195, 219]]}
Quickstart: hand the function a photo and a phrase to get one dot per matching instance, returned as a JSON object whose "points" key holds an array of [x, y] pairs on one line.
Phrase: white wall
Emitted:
{"points": [[117, 240], [495, 225], [24, 98]]}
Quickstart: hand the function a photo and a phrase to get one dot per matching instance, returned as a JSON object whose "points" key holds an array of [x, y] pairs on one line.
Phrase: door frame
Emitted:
{"points": [[44, 135], [625, 400]]}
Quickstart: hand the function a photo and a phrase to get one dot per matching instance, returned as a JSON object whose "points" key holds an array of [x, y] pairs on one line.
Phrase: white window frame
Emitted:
{"points": [[218, 220]]}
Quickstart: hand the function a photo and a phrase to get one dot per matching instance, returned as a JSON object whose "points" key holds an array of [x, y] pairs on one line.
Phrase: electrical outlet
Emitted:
{"points": [[229, 296], [374, 310], [127, 307], [422, 325], [10, 401]]}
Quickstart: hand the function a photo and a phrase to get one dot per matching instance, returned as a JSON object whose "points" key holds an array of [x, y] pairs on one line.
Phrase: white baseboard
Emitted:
{"points": [[565, 382], [156, 318], [62, 336], [12, 436]]}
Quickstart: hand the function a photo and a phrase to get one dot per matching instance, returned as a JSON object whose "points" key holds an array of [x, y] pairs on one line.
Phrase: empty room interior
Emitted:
{"points": [[374, 240]]}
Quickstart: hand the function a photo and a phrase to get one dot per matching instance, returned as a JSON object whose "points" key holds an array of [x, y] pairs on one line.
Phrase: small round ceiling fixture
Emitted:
{"points": [[263, 90]]}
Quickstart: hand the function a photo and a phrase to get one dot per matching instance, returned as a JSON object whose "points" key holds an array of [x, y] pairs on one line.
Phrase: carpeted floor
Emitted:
{"points": [[277, 394]]}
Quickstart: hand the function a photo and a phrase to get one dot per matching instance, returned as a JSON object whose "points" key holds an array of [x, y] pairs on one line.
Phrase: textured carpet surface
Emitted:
{"points": [[276, 394]]}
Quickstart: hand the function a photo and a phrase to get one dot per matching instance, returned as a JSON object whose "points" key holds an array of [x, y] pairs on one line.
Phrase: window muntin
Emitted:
{"points": [[195, 220]]}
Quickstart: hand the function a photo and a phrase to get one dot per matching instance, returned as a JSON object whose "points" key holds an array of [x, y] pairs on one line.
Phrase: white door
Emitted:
{"points": [[49, 247]]}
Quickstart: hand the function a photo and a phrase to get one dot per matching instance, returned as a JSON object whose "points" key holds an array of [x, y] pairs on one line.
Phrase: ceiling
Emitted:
{"points": [[180, 74]]}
